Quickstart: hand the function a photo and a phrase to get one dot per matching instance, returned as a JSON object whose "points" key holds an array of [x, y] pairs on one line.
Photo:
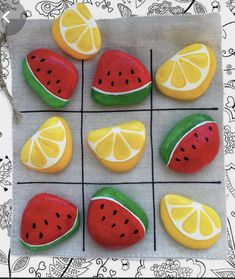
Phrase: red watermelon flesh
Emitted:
{"points": [[119, 72], [55, 73], [112, 225], [197, 149], [47, 219]]}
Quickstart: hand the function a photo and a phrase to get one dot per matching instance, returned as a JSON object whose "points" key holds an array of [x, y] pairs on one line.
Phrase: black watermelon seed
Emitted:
{"points": [[69, 216], [127, 81], [40, 235], [114, 212], [34, 226], [100, 81], [49, 72], [132, 71], [59, 91], [46, 222], [194, 146], [206, 139], [33, 57], [126, 221], [120, 73], [42, 60], [177, 160], [48, 83], [103, 218], [38, 70], [102, 206], [182, 149], [136, 231], [113, 225], [139, 80], [122, 235], [108, 73], [112, 83], [210, 128], [186, 158], [59, 227], [57, 215], [58, 81], [27, 235], [196, 135]]}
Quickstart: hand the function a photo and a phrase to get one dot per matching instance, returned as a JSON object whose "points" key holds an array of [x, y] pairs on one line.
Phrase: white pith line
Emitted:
{"points": [[121, 93], [61, 99], [172, 152], [204, 71], [113, 200], [197, 207], [111, 156], [74, 45], [48, 243]]}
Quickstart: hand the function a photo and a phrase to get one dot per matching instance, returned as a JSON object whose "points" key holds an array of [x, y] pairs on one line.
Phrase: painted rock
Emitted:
{"points": [[192, 144], [114, 220], [47, 220], [51, 76], [120, 79], [118, 147], [180, 217], [50, 148], [188, 74], [77, 33]]}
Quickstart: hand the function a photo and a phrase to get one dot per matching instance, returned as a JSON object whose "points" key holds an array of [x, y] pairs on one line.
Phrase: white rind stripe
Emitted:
{"points": [[113, 200], [121, 93]]}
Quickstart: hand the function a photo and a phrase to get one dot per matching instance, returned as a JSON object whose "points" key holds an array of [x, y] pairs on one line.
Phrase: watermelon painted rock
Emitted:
{"points": [[114, 220], [192, 144], [120, 79], [47, 220], [51, 76]]}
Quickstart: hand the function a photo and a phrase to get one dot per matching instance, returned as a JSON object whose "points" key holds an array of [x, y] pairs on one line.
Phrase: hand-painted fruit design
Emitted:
{"points": [[114, 220], [120, 79], [118, 147], [47, 220], [188, 74], [192, 144], [77, 33], [52, 77], [50, 148], [191, 224]]}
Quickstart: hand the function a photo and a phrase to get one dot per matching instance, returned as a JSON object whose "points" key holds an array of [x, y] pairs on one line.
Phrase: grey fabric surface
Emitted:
{"points": [[165, 35]]}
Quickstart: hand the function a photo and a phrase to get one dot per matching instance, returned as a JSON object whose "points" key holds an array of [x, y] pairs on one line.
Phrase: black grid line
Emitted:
{"points": [[152, 152], [82, 165]]}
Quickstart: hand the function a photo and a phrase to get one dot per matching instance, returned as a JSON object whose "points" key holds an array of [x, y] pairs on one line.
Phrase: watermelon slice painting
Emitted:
{"points": [[192, 144], [120, 79], [47, 221], [114, 220], [52, 77]]}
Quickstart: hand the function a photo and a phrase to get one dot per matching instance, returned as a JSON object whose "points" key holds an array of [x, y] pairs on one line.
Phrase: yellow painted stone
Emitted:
{"points": [[118, 147], [77, 33], [188, 74], [50, 148], [191, 224]]}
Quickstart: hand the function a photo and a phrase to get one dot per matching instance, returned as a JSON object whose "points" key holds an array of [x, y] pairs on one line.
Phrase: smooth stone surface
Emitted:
{"points": [[120, 79], [192, 144], [188, 74], [114, 220], [52, 77], [191, 224], [49, 150], [47, 220]]}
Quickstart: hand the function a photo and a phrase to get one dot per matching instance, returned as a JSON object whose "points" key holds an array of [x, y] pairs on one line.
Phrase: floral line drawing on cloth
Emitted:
{"points": [[5, 216], [5, 173]]}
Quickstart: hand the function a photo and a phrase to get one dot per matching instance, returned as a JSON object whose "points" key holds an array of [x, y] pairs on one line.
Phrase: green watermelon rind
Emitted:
{"points": [[126, 202], [134, 97], [36, 248], [40, 90], [183, 127]]}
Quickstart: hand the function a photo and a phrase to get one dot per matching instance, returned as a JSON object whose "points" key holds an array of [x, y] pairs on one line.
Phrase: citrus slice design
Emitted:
{"points": [[77, 33], [188, 74], [50, 148], [118, 147], [192, 224]]}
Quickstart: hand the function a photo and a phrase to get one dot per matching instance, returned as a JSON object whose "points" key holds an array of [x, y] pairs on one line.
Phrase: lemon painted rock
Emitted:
{"points": [[52, 77], [50, 148], [188, 74], [118, 147], [47, 220], [77, 33], [120, 79], [190, 223], [114, 220], [192, 144]]}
